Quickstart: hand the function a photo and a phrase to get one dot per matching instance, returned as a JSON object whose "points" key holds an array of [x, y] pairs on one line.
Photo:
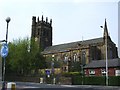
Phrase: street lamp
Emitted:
{"points": [[52, 65], [82, 62], [105, 27], [82, 72], [7, 20], [4, 51], [106, 64]]}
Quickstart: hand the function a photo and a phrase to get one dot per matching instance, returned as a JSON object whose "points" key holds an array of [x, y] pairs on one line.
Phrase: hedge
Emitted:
{"points": [[96, 80], [70, 74], [114, 80]]}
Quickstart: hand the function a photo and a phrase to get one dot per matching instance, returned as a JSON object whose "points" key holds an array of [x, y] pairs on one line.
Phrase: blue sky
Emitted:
{"points": [[73, 20]]}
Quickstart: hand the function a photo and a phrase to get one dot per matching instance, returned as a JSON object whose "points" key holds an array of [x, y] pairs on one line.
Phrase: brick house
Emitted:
{"points": [[98, 68]]}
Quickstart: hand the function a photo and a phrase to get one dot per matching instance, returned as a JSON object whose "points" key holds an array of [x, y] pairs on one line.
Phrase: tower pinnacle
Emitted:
{"points": [[42, 17], [105, 29]]}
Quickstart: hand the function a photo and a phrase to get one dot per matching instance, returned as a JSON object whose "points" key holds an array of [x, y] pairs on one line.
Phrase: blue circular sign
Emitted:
{"points": [[4, 50], [48, 72]]}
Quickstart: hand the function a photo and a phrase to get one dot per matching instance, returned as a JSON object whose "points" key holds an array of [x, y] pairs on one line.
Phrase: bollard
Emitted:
{"points": [[54, 80], [41, 80], [11, 86]]}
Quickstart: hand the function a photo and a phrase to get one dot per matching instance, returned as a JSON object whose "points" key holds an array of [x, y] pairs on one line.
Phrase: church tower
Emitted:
{"points": [[42, 32]]}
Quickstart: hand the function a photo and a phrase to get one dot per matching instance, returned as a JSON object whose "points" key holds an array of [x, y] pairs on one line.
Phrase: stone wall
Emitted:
{"points": [[61, 80]]}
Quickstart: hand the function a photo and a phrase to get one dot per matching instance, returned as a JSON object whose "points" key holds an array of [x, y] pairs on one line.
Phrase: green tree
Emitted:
{"points": [[39, 62], [22, 59], [36, 58], [18, 57]]}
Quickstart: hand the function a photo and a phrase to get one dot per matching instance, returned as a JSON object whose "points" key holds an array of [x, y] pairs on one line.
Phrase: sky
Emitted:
{"points": [[72, 20]]}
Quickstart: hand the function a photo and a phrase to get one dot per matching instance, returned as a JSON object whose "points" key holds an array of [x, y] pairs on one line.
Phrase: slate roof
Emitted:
{"points": [[67, 46], [102, 63]]}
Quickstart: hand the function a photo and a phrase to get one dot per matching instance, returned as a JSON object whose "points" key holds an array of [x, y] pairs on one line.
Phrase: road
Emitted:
{"points": [[38, 86]]}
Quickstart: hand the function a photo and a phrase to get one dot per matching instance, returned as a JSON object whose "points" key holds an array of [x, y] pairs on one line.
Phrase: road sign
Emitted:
{"points": [[4, 50], [48, 72]]}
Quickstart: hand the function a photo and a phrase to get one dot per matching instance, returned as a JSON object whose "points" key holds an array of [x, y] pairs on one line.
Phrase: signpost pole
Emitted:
{"points": [[4, 53], [4, 70]]}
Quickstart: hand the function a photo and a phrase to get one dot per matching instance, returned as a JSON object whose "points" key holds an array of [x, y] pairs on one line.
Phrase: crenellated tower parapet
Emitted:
{"points": [[42, 31]]}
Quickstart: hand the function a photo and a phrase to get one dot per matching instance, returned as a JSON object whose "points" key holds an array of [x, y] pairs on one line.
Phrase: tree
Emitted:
{"points": [[37, 59], [18, 57], [39, 62], [21, 59]]}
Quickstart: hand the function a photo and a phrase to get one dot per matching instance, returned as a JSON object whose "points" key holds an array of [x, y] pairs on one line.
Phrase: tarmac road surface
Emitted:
{"points": [[38, 86]]}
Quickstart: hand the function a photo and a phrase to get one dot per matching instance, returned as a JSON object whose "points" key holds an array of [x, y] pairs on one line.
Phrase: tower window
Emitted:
{"points": [[43, 33], [47, 34], [110, 54], [38, 32], [83, 61]]}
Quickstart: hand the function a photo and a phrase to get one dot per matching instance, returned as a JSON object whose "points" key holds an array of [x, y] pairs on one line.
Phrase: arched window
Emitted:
{"points": [[65, 59], [110, 54], [75, 57], [83, 60]]}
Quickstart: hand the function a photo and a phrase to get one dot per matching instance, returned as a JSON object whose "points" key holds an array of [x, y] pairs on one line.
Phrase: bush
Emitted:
{"points": [[77, 80], [96, 80], [114, 80], [71, 74]]}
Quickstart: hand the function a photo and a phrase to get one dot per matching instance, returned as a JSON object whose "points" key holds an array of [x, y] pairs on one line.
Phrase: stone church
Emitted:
{"points": [[82, 52]]}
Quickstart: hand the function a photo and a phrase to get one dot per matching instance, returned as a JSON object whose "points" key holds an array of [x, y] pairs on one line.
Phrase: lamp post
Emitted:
{"points": [[106, 64], [7, 20], [82, 72], [82, 62], [52, 65], [4, 52]]}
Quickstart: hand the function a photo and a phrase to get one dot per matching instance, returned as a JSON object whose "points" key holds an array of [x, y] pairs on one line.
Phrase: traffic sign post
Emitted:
{"points": [[4, 50], [4, 53], [48, 73]]}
